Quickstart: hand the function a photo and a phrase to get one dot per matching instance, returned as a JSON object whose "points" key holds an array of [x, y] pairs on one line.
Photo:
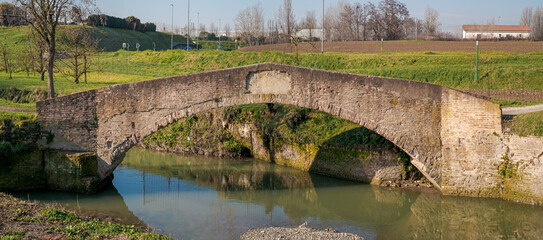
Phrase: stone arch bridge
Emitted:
{"points": [[451, 136]]}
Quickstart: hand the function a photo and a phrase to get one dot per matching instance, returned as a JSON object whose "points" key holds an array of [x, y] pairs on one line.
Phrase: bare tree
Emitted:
{"points": [[272, 32], [286, 18], [375, 21], [250, 24], [332, 24], [346, 22], [360, 20], [6, 53], [25, 59], [44, 16], [227, 30], [537, 24], [527, 16], [431, 21], [80, 47], [310, 22], [38, 55], [394, 16], [213, 29], [203, 28]]}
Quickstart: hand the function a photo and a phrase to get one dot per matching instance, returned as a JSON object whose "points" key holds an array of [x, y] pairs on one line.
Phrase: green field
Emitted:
{"points": [[455, 70]]}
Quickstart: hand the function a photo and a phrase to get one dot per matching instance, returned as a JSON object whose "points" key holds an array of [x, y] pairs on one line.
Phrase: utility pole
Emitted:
{"points": [[188, 23], [322, 37], [172, 28], [219, 32]]}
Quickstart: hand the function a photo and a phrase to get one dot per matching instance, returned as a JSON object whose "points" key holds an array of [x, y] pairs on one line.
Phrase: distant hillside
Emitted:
{"points": [[111, 39]]}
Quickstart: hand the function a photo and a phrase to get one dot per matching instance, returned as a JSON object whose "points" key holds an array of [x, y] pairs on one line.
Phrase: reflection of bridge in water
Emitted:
{"points": [[170, 182]]}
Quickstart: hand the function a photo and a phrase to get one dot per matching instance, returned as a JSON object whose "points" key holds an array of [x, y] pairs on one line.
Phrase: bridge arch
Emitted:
{"points": [[424, 120]]}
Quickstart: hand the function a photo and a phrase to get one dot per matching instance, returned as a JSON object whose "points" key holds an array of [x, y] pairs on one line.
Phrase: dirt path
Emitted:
{"points": [[521, 110], [10, 109]]}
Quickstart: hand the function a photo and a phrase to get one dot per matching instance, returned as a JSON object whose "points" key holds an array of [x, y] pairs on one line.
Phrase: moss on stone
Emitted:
{"points": [[76, 172]]}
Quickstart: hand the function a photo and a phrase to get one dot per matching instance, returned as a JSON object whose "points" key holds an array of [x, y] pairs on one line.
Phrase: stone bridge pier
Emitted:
{"points": [[452, 137]]}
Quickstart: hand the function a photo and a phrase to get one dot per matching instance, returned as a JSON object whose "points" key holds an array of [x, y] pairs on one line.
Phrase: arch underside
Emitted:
{"points": [[169, 116]]}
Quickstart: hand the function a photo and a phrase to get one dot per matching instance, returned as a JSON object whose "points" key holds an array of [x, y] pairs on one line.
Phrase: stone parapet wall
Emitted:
{"points": [[69, 123]]}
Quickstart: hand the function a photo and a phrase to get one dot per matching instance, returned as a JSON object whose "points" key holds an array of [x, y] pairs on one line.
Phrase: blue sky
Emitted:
{"points": [[452, 12]]}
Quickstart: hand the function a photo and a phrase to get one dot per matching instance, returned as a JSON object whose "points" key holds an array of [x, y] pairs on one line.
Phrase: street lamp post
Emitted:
{"points": [[188, 23], [172, 28], [219, 32], [322, 37]]}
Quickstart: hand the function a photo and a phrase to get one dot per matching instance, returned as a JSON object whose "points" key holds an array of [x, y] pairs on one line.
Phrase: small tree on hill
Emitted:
{"points": [[38, 56], [5, 52], [25, 60], [80, 48]]}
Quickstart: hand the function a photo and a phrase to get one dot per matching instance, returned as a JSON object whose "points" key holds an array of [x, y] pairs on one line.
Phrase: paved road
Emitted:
{"points": [[521, 110], [10, 109]]}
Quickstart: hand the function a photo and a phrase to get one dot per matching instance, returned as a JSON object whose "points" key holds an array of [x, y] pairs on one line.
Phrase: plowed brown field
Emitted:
{"points": [[405, 46]]}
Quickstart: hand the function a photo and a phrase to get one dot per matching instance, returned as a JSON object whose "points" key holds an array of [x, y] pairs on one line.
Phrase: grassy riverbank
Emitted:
{"points": [[30, 220]]}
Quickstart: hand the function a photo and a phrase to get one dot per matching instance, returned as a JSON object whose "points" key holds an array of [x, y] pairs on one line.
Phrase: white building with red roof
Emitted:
{"points": [[496, 31]]}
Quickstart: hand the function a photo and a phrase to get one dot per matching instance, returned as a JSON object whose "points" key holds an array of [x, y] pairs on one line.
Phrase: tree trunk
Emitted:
{"points": [[76, 66], [50, 66], [85, 66], [42, 75]]}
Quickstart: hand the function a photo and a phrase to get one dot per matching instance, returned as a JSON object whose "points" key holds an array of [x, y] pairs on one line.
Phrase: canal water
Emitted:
{"points": [[189, 197]]}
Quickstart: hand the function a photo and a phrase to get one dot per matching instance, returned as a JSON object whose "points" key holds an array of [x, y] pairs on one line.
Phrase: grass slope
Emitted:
{"points": [[110, 39]]}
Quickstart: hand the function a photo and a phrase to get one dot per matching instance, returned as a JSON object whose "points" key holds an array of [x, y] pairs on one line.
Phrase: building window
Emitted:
{"points": [[500, 35]]}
